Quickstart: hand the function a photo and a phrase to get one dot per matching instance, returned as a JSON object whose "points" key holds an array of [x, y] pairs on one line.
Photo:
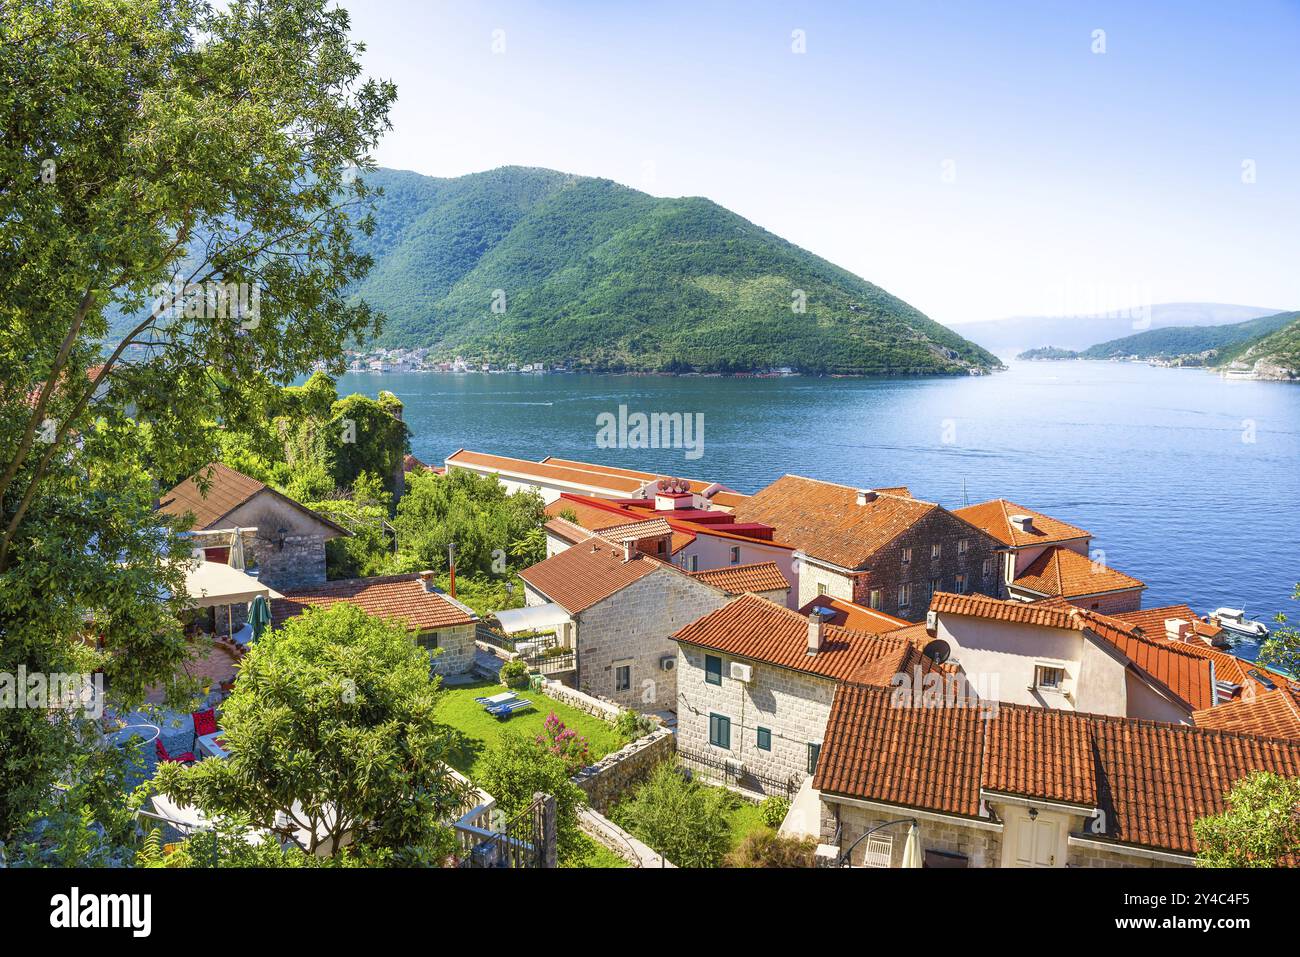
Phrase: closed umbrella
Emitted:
{"points": [[259, 615], [912, 849], [236, 559]]}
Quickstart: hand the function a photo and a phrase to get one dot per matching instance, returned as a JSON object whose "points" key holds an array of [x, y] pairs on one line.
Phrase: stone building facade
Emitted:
{"points": [[790, 707], [623, 641], [457, 644]]}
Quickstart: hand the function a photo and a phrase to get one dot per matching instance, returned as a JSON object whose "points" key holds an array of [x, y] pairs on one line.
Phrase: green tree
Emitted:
{"points": [[1260, 828], [683, 820], [1282, 647], [224, 163], [333, 712], [516, 768]]}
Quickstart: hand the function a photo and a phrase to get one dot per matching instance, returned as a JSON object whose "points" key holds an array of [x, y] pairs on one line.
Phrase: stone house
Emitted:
{"points": [[755, 683], [1024, 787], [283, 539], [618, 609], [880, 548], [436, 620], [1043, 557]]}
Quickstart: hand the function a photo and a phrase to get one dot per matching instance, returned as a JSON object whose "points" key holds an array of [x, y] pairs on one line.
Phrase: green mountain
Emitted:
{"points": [[1188, 340], [1048, 352], [589, 273], [1275, 355]]}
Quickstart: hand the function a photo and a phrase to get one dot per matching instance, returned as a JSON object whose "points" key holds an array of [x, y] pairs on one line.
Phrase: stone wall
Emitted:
{"points": [[605, 832], [633, 628], [792, 705], [588, 704], [299, 564], [981, 846], [457, 644], [605, 781]]}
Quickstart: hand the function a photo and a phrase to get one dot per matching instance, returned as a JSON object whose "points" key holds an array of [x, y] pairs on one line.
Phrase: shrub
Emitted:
{"points": [[682, 820], [565, 743], [631, 725], [769, 849], [516, 768], [514, 674], [773, 810]]}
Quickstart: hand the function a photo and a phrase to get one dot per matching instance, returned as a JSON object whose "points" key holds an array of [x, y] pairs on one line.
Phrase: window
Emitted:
{"points": [[963, 546], [765, 739], [695, 563], [428, 640], [735, 554], [936, 549], [904, 595], [874, 600], [907, 556], [623, 678], [821, 589], [1049, 677], [934, 585], [712, 670], [814, 752], [660, 547], [720, 731], [961, 583], [987, 568], [879, 851]]}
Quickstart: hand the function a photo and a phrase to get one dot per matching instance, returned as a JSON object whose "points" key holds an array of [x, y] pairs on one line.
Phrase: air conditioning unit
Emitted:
{"points": [[741, 672], [931, 622], [667, 663]]}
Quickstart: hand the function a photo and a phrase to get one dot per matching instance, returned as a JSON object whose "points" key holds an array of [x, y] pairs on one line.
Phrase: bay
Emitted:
{"points": [[1187, 481]]}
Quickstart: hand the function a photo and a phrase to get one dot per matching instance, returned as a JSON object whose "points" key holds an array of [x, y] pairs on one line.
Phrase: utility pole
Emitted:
{"points": [[451, 565]]}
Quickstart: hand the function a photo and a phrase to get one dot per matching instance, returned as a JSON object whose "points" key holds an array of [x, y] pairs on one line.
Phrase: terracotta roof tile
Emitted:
{"points": [[524, 469], [848, 614], [226, 491], [399, 597], [1152, 780], [758, 629], [995, 518], [744, 579], [1274, 714], [729, 496], [587, 573], [1152, 621], [1062, 571], [825, 521]]}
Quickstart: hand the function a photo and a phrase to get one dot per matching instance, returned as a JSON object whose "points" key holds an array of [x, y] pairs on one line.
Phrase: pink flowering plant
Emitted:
{"points": [[565, 743]]}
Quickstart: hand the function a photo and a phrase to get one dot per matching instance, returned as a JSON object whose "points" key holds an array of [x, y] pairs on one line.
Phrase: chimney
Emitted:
{"points": [[629, 550], [426, 579], [1023, 522], [1178, 629], [866, 495], [815, 626]]}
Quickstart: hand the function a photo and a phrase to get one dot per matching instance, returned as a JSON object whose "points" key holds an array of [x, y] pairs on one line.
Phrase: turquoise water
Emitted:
{"points": [[1187, 481]]}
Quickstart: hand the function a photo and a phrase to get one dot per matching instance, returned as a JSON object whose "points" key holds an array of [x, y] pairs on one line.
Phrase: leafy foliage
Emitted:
{"points": [[514, 674], [769, 849], [1282, 647], [1280, 348], [1189, 340], [516, 768], [682, 820], [605, 277], [566, 744], [335, 711], [1260, 828], [774, 809], [222, 162]]}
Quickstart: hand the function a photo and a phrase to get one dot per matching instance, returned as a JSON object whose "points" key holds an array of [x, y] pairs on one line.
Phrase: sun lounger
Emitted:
{"points": [[503, 711], [498, 699]]}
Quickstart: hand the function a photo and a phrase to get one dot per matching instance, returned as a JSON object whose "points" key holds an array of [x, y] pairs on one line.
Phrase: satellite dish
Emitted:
{"points": [[937, 651]]}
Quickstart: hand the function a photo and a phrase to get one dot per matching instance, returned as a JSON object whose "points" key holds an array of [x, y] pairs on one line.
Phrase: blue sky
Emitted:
{"points": [[977, 159]]}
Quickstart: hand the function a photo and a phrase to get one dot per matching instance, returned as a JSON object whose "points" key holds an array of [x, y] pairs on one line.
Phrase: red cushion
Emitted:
{"points": [[205, 722]]}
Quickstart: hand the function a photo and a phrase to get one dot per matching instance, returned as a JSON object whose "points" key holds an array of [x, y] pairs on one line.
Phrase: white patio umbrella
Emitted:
{"points": [[912, 849], [236, 559]]}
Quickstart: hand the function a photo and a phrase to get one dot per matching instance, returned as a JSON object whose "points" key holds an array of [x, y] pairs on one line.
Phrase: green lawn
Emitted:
{"points": [[744, 818], [478, 730], [590, 854]]}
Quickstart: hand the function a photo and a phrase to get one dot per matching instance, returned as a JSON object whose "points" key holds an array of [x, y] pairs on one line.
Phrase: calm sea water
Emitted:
{"points": [[1187, 481]]}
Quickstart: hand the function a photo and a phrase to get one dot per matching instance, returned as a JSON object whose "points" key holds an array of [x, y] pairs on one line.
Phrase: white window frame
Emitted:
{"points": [[735, 554], [874, 599], [907, 555], [936, 550], [905, 595], [963, 546], [617, 669], [1041, 666]]}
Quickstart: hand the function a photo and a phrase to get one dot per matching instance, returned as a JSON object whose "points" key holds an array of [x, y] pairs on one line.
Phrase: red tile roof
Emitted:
{"points": [[1152, 779], [1062, 571], [1151, 621], [587, 573], [722, 496], [1274, 714], [599, 514], [400, 597], [1185, 674], [743, 579], [825, 521], [848, 614], [522, 468], [995, 518], [760, 630], [226, 490]]}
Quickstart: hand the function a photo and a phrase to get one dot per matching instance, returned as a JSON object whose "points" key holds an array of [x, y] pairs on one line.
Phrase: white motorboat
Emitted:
{"points": [[1235, 621]]}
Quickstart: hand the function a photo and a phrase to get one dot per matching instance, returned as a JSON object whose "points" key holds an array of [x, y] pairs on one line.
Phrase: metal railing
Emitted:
{"points": [[527, 840], [735, 775]]}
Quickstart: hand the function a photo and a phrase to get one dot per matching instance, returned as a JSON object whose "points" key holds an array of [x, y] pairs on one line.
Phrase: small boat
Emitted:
{"points": [[1235, 621]]}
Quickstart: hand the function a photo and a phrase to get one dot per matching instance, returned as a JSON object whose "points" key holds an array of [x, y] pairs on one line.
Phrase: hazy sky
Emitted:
{"points": [[977, 159]]}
